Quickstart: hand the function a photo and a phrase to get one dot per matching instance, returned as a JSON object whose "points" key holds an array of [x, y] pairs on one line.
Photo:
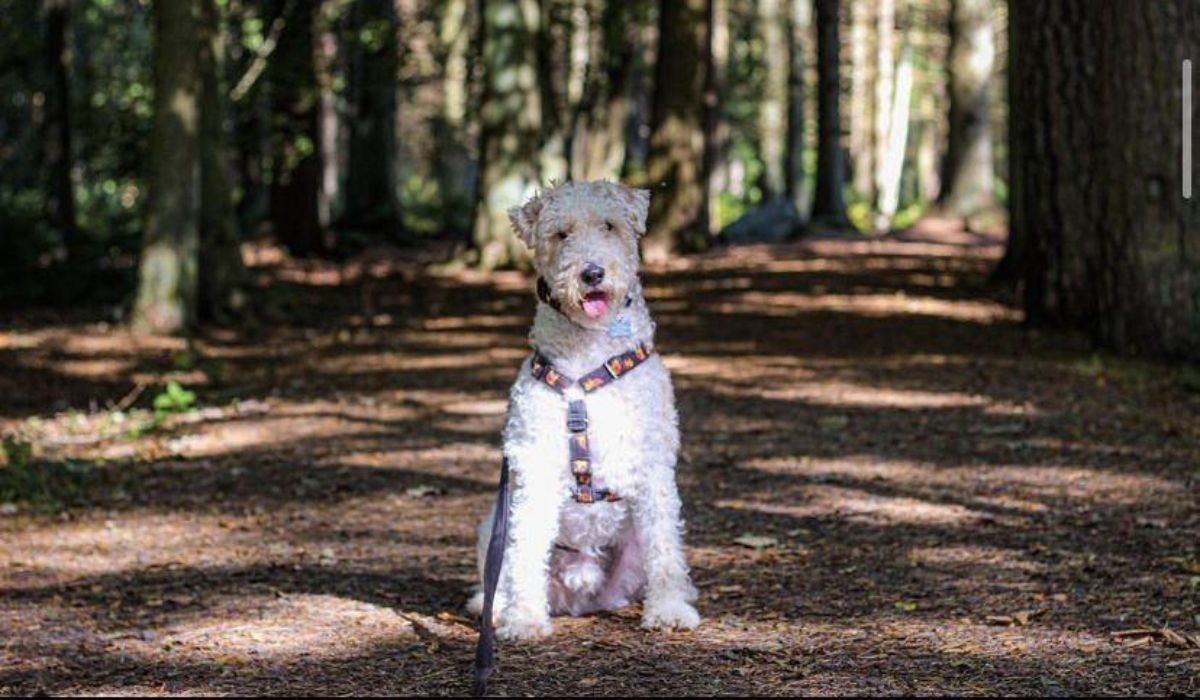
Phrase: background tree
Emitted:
{"points": [[1101, 236], [967, 181], [829, 204], [221, 273], [60, 190], [167, 276], [602, 116], [510, 127], [716, 118], [773, 109], [295, 193], [370, 201], [799, 25], [677, 206]]}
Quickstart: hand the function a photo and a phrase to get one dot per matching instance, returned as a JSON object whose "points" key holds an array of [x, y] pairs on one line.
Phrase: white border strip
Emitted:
{"points": [[1187, 129]]}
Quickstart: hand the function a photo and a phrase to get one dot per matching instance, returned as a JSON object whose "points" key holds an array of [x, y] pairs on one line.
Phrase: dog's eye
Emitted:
{"points": [[609, 225], [562, 235]]}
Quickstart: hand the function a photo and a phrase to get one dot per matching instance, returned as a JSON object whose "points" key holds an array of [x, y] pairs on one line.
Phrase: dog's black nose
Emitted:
{"points": [[593, 274]]}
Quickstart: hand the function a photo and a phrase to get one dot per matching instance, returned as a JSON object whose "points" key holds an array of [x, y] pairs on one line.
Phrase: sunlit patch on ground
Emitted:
{"points": [[890, 486], [237, 630]]}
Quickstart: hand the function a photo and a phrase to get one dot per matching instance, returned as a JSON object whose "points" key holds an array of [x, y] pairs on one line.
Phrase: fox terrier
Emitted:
{"points": [[592, 434]]}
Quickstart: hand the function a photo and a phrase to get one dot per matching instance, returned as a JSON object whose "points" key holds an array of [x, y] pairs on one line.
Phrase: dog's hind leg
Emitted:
{"points": [[483, 537]]}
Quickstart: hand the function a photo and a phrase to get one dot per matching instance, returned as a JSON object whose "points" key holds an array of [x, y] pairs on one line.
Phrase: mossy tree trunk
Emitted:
{"points": [[674, 172], [773, 105], [799, 23], [510, 128], [166, 299], [598, 142], [967, 177], [222, 274]]}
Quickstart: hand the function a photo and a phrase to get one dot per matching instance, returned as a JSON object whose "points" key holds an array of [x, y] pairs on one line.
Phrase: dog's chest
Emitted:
{"points": [[617, 434]]}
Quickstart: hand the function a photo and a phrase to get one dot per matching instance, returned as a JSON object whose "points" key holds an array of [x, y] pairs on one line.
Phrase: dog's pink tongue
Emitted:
{"points": [[595, 305]]}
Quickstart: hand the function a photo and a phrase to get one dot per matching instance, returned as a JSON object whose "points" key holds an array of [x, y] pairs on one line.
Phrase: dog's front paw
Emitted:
{"points": [[670, 614], [524, 630]]}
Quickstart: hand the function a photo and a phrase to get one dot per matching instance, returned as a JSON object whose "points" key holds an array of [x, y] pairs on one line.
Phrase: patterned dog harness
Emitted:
{"points": [[577, 420]]}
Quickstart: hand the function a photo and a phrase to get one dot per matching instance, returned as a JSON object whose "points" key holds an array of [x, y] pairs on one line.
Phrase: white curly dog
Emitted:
{"points": [[594, 519]]}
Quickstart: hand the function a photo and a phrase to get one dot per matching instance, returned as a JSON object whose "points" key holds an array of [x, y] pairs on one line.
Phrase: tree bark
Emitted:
{"points": [[370, 202], [773, 105], [862, 150], [967, 174], [167, 272], [598, 144], [885, 87], [221, 272], [57, 136], [1101, 234], [296, 135], [800, 22], [829, 205], [674, 166], [510, 125], [454, 167], [716, 121]]}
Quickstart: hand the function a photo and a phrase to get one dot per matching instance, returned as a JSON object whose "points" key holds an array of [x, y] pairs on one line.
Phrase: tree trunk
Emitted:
{"points": [[829, 206], [510, 126], [885, 85], [370, 201], [891, 168], [967, 170], [60, 192], [773, 105], [862, 151], [453, 157], [221, 272], [1100, 230], [716, 121], [328, 120], [553, 67], [800, 22], [674, 166], [598, 144], [296, 137], [167, 272]]}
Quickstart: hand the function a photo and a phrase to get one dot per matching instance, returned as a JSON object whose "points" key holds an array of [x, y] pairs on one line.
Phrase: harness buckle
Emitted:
{"points": [[577, 420]]}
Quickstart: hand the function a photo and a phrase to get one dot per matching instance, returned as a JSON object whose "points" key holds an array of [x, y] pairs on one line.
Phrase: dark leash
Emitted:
{"points": [[485, 649]]}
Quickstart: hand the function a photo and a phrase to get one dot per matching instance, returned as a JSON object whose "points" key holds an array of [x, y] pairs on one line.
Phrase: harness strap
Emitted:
{"points": [[485, 649], [577, 421]]}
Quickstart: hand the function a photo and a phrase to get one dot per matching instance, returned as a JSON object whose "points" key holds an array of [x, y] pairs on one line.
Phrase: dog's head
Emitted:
{"points": [[584, 236]]}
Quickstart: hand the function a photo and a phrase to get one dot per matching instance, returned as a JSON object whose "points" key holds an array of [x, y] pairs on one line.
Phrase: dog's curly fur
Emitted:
{"points": [[611, 554]]}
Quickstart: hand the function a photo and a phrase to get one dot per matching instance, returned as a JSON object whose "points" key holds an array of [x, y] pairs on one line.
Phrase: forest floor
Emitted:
{"points": [[891, 486]]}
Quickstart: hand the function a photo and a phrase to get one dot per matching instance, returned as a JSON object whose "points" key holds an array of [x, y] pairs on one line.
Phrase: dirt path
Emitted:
{"points": [[953, 504]]}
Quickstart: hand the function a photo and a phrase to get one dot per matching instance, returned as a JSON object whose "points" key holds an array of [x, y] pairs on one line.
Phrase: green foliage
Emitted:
{"points": [[1189, 378], [48, 484], [172, 400], [421, 202]]}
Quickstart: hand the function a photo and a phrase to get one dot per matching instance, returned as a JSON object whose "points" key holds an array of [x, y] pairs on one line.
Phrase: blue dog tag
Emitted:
{"points": [[620, 328]]}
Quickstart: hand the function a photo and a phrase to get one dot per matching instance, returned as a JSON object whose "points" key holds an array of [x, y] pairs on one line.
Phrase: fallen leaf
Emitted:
{"points": [[424, 490], [756, 541]]}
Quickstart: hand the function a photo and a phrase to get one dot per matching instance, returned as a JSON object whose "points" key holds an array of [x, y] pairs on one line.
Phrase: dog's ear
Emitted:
{"points": [[524, 219], [638, 201]]}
